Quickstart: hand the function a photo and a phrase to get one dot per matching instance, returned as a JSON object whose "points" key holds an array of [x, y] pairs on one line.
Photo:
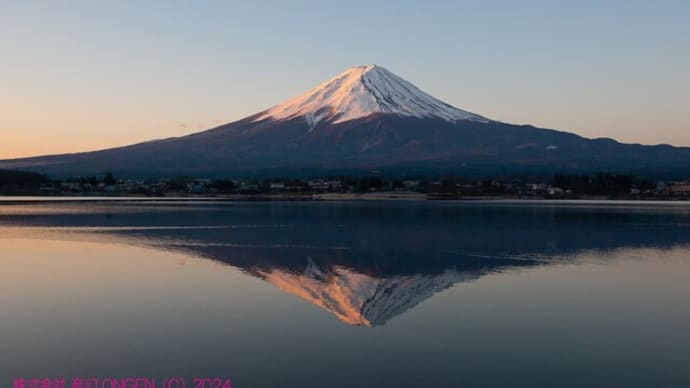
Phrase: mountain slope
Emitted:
{"points": [[366, 118]]}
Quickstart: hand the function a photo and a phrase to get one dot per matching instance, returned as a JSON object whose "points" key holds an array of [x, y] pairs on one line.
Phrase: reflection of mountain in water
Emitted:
{"points": [[363, 292], [368, 262], [360, 299]]}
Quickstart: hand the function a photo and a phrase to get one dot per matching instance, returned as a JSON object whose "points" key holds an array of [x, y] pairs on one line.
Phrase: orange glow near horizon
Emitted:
{"points": [[42, 137]]}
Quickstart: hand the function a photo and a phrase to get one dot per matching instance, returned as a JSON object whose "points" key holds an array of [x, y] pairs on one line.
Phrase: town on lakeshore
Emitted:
{"points": [[372, 186]]}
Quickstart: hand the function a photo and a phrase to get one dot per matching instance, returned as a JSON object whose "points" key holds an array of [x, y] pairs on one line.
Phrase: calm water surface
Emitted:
{"points": [[348, 294]]}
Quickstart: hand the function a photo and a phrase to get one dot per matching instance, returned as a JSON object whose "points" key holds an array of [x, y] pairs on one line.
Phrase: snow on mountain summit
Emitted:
{"points": [[361, 91]]}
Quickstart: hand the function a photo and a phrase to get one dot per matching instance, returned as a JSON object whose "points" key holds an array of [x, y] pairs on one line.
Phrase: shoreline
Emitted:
{"points": [[326, 197]]}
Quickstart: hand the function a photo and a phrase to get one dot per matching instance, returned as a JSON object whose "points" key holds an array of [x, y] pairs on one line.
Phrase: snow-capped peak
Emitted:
{"points": [[361, 91]]}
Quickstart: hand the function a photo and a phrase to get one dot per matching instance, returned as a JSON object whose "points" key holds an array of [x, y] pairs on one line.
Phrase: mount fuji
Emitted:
{"points": [[365, 119]]}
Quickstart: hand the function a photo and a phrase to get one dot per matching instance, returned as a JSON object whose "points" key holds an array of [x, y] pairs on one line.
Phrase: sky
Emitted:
{"points": [[86, 75]]}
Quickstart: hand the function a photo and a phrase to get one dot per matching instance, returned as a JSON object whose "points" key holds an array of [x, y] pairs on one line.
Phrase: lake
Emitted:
{"points": [[347, 294]]}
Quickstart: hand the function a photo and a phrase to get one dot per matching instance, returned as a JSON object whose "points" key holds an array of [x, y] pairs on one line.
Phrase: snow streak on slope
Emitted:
{"points": [[362, 91]]}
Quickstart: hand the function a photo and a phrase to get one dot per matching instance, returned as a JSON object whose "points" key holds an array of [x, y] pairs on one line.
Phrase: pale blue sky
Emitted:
{"points": [[79, 75]]}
